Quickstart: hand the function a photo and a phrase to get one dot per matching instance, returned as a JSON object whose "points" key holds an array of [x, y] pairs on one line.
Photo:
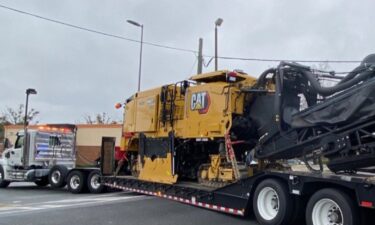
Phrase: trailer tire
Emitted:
{"points": [[3, 183], [57, 176], [42, 182], [77, 182], [272, 203], [331, 206], [93, 182]]}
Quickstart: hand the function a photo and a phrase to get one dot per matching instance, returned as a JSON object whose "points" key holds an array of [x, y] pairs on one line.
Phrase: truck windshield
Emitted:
{"points": [[19, 142], [54, 141]]}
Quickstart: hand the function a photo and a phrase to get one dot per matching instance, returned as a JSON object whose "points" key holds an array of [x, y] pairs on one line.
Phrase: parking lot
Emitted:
{"points": [[27, 204]]}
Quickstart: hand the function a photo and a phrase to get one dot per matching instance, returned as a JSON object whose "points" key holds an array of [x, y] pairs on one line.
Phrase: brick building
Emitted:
{"points": [[88, 140]]}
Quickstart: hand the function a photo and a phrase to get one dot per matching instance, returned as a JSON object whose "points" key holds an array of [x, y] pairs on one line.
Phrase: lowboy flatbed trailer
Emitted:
{"points": [[352, 192], [235, 198]]}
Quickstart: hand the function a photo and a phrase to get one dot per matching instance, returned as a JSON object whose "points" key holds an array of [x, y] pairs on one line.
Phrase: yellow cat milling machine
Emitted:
{"points": [[208, 128], [189, 130], [195, 142]]}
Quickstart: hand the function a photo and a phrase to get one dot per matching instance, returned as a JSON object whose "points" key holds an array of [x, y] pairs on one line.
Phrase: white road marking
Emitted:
{"points": [[33, 196], [68, 203]]}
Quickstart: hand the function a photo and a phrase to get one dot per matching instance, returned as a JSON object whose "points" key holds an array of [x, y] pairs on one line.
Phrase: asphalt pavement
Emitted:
{"points": [[27, 204]]}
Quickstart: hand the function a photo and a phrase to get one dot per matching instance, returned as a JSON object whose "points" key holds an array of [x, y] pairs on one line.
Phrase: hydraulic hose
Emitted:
{"points": [[360, 73], [353, 73], [326, 91], [262, 78]]}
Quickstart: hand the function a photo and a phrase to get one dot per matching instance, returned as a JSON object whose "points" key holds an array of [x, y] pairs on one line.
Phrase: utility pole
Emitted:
{"points": [[200, 56]]}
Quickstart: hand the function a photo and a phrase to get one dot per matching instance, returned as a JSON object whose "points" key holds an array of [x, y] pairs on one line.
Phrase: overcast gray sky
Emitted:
{"points": [[77, 73]]}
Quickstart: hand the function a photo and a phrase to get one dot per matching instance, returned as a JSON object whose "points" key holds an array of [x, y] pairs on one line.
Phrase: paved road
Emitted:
{"points": [[26, 204]]}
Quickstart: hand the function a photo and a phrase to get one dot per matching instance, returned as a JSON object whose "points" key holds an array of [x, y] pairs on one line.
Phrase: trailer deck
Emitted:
{"points": [[234, 198], [184, 192]]}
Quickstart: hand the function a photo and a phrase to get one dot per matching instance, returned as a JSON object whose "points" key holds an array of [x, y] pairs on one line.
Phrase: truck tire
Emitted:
{"points": [[57, 176], [272, 203], [3, 183], [42, 182], [93, 182], [77, 182], [331, 206]]}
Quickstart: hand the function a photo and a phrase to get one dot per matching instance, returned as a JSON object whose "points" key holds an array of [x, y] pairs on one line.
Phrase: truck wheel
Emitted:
{"points": [[3, 183], [93, 182], [272, 203], [331, 207], [57, 176], [77, 182], [42, 182]]}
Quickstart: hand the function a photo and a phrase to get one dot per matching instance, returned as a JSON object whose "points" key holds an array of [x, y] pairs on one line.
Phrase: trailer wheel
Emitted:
{"points": [[42, 182], [331, 207], [57, 176], [272, 203], [3, 183], [93, 182], [77, 182]]}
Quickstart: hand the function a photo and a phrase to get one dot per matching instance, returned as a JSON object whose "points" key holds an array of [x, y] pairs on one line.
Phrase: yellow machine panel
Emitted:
{"points": [[204, 111], [129, 116], [146, 116], [158, 170], [175, 128]]}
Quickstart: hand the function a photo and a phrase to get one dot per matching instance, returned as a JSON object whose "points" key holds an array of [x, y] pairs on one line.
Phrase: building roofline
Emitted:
{"points": [[12, 126]]}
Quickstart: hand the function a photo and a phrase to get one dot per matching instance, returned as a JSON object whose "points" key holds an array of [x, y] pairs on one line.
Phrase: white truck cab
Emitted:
{"points": [[46, 157]]}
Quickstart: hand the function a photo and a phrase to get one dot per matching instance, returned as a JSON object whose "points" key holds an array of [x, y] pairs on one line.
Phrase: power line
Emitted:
{"points": [[95, 31], [170, 47], [288, 60], [193, 66]]}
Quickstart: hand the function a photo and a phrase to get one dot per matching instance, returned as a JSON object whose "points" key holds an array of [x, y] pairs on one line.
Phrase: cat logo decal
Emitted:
{"points": [[200, 101]]}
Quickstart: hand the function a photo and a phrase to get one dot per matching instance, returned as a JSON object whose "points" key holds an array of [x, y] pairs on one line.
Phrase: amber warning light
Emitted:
{"points": [[46, 128], [231, 77]]}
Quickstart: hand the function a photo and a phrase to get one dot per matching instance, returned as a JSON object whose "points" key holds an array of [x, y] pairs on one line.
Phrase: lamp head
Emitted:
{"points": [[31, 91], [134, 23], [218, 22]]}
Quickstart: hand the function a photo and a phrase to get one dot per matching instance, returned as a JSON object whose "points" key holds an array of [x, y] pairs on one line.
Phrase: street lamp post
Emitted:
{"points": [[140, 53], [29, 91], [218, 23]]}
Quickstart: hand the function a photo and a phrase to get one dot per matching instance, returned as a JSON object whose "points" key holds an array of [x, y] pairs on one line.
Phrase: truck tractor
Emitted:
{"points": [[47, 155]]}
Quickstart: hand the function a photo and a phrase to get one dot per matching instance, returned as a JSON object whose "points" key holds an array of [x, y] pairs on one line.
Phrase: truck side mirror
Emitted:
{"points": [[7, 143]]}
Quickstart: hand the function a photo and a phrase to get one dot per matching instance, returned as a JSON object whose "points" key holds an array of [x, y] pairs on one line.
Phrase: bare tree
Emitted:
{"points": [[324, 66], [16, 116], [99, 118]]}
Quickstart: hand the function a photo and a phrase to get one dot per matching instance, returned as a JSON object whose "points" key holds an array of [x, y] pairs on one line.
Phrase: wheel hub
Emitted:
{"points": [[275, 203], [75, 182], [334, 216], [268, 203], [95, 182], [56, 175], [327, 212]]}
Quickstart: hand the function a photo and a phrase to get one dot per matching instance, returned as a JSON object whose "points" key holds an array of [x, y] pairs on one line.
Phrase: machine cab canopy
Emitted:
{"points": [[220, 76]]}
